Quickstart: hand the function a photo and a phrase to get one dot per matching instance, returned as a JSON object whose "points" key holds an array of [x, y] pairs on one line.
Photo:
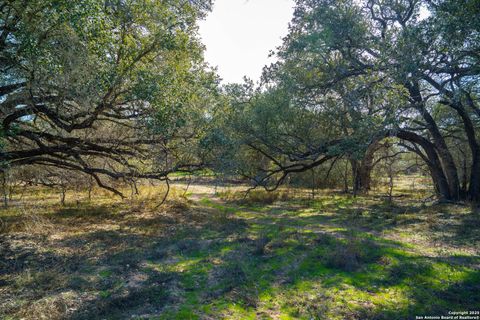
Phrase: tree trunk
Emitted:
{"points": [[446, 157], [433, 161], [62, 196], [362, 176], [447, 161], [362, 170], [464, 186], [357, 183], [474, 188], [366, 167], [474, 185]]}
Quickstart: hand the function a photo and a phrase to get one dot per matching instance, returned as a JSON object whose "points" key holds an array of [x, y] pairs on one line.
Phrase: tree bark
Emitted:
{"points": [[474, 185], [366, 167], [362, 170], [432, 159], [361, 177], [446, 157]]}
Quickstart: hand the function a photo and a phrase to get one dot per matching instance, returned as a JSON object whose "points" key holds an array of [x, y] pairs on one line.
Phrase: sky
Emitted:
{"points": [[239, 35]]}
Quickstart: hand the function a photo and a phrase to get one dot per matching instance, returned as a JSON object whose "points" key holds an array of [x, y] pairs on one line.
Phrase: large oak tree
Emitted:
{"points": [[115, 89], [360, 71]]}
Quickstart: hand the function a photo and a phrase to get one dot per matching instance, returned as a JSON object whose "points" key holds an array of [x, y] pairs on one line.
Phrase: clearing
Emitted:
{"points": [[207, 255]]}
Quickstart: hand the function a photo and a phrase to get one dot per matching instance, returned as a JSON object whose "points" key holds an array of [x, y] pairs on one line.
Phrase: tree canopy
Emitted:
{"points": [[351, 73], [110, 88], [119, 89]]}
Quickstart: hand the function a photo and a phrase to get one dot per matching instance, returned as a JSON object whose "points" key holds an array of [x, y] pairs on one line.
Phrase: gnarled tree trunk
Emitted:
{"points": [[363, 169], [473, 193], [447, 162], [432, 159]]}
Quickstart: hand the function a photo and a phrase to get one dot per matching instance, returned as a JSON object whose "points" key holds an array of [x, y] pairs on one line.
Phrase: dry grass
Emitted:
{"points": [[45, 245], [256, 196], [281, 255]]}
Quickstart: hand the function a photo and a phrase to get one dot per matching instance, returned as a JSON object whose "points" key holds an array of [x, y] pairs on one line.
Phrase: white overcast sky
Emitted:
{"points": [[239, 34]]}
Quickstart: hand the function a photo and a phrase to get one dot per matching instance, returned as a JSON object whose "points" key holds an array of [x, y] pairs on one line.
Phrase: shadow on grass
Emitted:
{"points": [[299, 261], [83, 212]]}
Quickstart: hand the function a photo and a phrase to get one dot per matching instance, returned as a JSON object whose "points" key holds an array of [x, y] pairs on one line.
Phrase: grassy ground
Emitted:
{"points": [[224, 257]]}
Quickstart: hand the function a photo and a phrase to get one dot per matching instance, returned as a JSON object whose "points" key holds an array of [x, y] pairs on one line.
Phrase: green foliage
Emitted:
{"points": [[125, 80], [351, 73]]}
